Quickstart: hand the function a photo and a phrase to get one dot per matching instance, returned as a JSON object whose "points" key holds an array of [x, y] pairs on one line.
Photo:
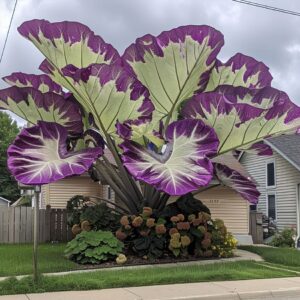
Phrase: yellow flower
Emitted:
{"points": [[121, 259], [185, 241]]}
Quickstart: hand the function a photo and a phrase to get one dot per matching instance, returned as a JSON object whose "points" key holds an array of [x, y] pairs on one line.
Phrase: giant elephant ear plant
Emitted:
{"points": [[164, 109]]}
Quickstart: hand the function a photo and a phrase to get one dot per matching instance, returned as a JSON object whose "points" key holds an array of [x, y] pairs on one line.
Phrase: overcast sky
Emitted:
{"points": [[271, 37]]}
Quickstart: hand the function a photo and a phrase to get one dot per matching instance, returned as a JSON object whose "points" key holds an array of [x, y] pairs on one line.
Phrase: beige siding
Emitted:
{"points": [[226, 204], [58, 193], [286, 176]]}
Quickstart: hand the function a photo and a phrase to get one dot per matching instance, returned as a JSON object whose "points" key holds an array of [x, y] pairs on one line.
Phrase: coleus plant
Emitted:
{"points": [[164, 109]]}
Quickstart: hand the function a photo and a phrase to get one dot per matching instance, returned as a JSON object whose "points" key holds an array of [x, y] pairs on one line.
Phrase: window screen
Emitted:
{"points": [[270, 174], [271, 207]]}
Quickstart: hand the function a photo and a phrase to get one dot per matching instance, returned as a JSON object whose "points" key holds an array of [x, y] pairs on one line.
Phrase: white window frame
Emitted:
{"points": [[271, 193], [270, 161]]}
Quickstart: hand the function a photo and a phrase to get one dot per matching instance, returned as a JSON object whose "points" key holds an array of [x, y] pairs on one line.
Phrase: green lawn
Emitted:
{"points": [[17, 259], [152, 276], [287, 257]]}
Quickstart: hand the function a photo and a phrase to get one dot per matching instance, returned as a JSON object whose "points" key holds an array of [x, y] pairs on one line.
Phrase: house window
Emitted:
{"points": [[272, 206], [109, 192], [270, 174]]}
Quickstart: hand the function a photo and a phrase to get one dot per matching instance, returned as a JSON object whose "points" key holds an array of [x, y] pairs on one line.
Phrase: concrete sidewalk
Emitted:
{"points": [[281, 288]]}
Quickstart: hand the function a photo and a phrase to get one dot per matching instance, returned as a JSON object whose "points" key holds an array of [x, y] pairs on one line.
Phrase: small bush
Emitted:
{"points": [[189, 231], [285, 238], [86, 215], [93, 247]]}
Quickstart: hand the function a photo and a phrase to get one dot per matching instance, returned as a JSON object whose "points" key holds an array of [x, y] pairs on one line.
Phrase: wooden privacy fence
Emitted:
{"points": [[16, 225]]}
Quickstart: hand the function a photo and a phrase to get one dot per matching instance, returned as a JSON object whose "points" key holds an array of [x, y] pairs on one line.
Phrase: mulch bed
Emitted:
{"points": [[139, 261]]}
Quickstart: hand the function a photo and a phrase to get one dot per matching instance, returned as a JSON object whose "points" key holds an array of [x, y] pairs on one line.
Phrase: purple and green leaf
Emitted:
{"points": [[239, 70], [183, 166], [42, 82], [110, 94], [242, 116], [33, 106], [65, 43], [233, 179], [39, 155], [175, 64]]}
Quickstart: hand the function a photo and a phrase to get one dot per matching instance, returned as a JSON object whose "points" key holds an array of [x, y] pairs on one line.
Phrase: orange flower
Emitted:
{"points": [[127, 227], [124, 221], [206, 243], [120, 235], [76, 229], [207, 235], [160, 229], [144, 232], [173, 231], [197, 222], [183, 226], [150, 222], [180, 217], [86, 226], [137, 221], [147, 211], [174, 219]]}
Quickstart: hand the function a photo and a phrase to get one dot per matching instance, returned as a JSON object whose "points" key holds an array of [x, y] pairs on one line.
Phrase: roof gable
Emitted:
{"points": [[3, 199], [288, 146]]}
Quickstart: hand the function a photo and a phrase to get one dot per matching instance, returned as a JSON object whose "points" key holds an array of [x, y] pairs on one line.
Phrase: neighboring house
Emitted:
{"points": [[278, 179], [4, 202], [58, 193], [226, 204]]}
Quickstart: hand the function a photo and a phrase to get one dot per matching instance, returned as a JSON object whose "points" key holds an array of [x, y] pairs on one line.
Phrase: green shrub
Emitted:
{"points": [[98, 215], [93, 247], [285, 238], [190, 231]]}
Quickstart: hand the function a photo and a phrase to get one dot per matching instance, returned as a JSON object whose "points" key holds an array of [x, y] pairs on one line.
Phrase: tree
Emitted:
{"points": [[8, 132], [165, 108]]}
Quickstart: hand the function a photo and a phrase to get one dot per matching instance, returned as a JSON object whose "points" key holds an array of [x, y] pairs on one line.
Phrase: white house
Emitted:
{"points": [[278, 179], [4, 202]]}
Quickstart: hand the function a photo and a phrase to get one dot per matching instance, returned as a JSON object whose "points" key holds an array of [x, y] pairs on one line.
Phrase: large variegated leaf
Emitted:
{"points": [[233, 179], [183, 166], [112, 94], [239, 70], [42, 82], [65, 43], [242, 116], [174, 64], [39, 155], [33, 106], [141, 131], [259, 148]]}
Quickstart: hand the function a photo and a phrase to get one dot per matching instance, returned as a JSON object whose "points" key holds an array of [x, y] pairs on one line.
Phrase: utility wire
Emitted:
{"points": [[285, 11], [9, 26]]}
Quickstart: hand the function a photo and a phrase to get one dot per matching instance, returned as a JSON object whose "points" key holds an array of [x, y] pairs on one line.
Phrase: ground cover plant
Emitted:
{"points": [[93, 247], [164, 109]]}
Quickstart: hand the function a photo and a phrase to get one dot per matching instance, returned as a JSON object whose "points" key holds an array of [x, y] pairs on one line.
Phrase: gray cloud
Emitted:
{"points": [[268, 36]]}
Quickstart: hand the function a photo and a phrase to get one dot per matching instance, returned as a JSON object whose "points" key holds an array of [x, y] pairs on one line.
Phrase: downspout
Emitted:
{"points": [[297, 241]]}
